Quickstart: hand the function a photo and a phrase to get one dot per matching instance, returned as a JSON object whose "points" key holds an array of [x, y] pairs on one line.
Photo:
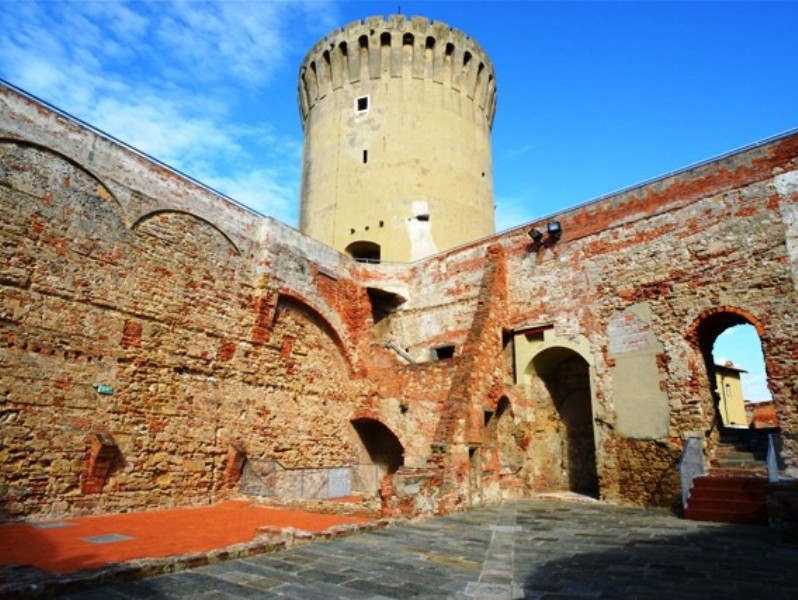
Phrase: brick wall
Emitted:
{"points": [[185, 333]]}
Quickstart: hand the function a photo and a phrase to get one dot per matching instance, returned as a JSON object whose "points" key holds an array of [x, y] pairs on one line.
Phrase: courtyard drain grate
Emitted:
{"points": [[50, 525], [107, 539]]}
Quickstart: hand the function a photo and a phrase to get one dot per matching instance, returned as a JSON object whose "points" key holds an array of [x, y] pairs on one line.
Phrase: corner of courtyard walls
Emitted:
{"points": [[664, 286]]}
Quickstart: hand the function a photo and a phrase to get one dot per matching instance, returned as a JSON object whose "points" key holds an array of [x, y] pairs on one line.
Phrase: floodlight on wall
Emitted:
{"points": [[536, 235], [554, 230]]}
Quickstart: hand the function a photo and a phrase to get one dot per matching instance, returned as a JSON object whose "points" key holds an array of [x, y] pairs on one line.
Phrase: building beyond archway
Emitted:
{"points": [[724, 376]]}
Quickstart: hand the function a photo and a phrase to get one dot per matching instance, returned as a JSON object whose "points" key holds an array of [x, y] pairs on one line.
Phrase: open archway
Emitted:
{"points": [[379, 444], [730, 344], [364, 251], [565, 376], [741, 414]]}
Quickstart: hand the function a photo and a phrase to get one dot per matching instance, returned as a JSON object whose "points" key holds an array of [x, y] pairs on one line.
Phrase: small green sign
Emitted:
{"points": [[105, 390]]}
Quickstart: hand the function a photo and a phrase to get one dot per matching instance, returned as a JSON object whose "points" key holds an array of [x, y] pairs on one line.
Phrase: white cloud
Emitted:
{"points": [[264, 190], [518, 151], [174, 80]]}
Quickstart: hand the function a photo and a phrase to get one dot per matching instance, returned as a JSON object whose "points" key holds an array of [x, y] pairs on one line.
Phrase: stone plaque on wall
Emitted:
{"points": [[641, 406]]}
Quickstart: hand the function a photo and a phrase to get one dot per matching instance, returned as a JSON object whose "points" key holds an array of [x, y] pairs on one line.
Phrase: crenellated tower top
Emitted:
{"points": [[394, 46], [397, 116]]}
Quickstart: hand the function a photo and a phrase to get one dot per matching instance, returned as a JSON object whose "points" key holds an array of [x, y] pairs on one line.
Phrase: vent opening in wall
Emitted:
{"points": [[442, 352], [365, 156], [423, 217], [361, 104], [383, 303]]}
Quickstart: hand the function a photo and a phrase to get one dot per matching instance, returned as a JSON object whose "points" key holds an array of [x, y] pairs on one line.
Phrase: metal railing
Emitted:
{"points": [[775, 462], [691, 464], [267, 477]]}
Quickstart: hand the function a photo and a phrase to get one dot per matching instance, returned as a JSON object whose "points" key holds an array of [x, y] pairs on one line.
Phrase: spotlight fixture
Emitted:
{"points": [[554, 229], [536, 235]]}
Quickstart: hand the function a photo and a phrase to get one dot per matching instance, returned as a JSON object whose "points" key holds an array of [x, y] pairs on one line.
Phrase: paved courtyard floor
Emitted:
{"points": [[525, 549]]}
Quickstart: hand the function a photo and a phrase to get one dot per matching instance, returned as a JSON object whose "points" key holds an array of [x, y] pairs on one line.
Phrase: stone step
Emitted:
{"points": [[744, 506], [735, 455], [728, 481], [726, 496], [727, 463], [721, 494], [758, 517]]}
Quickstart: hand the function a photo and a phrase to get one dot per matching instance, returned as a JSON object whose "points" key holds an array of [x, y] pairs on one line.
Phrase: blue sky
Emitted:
{"points": [[593, 97]]}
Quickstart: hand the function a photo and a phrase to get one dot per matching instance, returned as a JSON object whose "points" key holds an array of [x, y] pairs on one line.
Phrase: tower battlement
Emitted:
{"points": [[395, 47]]}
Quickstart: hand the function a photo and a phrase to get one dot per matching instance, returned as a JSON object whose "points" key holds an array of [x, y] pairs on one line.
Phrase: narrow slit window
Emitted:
{"points": [[365, 156]]}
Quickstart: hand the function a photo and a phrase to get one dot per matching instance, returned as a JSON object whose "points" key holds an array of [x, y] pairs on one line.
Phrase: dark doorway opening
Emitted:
{"points": [[566, 376]]}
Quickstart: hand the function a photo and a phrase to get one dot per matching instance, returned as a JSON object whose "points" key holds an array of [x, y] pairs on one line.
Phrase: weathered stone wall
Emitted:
{"points": [[221, 334], [207, 334], [634, 275]]}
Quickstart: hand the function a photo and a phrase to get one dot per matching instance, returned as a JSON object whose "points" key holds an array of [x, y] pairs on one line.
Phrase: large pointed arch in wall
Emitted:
{"points": [[568, 392], [102, 189], [291, 299], [157, 213]]}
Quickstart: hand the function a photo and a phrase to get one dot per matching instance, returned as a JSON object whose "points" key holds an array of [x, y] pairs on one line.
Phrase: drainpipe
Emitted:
{"points": [[400, 352]]}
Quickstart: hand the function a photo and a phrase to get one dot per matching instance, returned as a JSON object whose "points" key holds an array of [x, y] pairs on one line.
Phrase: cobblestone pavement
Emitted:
{"points": [[525, 549]]}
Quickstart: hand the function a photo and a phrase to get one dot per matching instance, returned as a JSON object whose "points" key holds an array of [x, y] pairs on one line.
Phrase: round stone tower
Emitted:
{"points": [[397, 116]]}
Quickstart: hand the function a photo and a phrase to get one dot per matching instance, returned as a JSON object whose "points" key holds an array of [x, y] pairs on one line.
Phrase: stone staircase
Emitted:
{"points": [[728, 499], [735, 489]]}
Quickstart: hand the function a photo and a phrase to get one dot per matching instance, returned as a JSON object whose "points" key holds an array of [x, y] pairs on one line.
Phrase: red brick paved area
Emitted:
{"points": [[154, 534]]}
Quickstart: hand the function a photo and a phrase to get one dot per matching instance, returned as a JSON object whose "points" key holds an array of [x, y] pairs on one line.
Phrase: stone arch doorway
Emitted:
{"points": [[564, 391], [727, 361], [380, 446]]}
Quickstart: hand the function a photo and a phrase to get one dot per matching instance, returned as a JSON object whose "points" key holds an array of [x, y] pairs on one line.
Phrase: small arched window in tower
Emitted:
{"points": [[385, 51], [313, 80], [429, 56], [364, 251], [326, 73], [466, 60], [429, 47], [407, 53], [339, 64], [363, 52], [447, 62], [305, 97], [478, 87]]}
